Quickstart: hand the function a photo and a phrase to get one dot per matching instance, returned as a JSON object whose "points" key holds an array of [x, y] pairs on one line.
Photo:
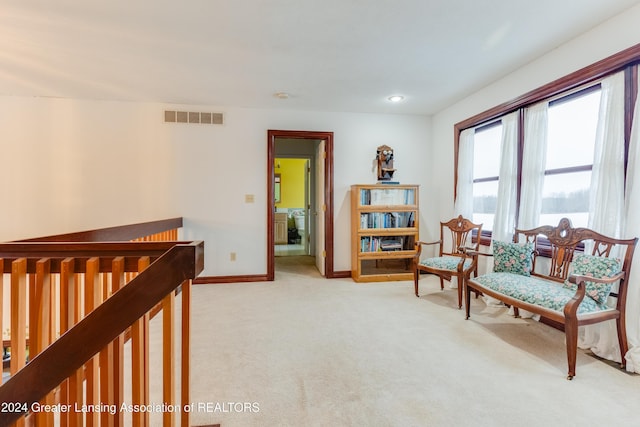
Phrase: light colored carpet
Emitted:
{"points": [[308, 351]]}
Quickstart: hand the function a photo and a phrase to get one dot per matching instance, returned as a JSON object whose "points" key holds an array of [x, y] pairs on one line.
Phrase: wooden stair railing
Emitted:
{"points": [[85, 365], [165, 229]]}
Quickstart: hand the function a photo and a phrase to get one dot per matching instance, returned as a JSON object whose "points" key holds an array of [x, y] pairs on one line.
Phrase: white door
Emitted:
{"points": [[320, 208]]}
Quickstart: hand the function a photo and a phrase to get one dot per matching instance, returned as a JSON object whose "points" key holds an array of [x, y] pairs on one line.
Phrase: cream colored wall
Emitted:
{"points": [[229, 224], [611, 37], [76, 165], [71, 165]]}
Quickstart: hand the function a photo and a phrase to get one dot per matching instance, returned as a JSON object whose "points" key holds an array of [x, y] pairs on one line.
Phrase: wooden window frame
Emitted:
{"points": [[587, 78]]}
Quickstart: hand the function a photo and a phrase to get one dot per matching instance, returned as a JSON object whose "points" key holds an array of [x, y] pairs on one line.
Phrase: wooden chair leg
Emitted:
{"points": [[441, 283], [622, 339], [467, 301], [460, 278], [475, 274], [571, 334], [416, 275]]}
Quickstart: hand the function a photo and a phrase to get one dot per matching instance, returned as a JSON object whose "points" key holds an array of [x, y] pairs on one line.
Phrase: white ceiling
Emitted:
{"points": [[329, 55]]}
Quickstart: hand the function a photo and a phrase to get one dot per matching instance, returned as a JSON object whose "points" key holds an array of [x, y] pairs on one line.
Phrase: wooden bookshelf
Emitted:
{"points": [[384, 229]]}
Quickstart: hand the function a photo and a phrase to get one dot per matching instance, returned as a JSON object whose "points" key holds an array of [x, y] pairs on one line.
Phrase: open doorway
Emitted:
{"points": [[317, 149], [294, 201]]}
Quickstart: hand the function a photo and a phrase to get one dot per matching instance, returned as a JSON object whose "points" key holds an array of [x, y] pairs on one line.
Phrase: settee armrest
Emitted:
{"points": [[578, 279], [571, 308]]}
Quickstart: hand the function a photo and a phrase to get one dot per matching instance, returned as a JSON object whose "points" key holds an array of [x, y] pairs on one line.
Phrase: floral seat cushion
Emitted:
{"points": [[449, 263], [536, 291]]}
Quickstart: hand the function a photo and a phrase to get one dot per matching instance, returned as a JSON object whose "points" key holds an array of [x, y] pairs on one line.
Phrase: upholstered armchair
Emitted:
{"points": [[456, 237]]}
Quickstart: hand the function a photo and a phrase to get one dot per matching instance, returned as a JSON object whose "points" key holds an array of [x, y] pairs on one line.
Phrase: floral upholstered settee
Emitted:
{"points": [[575, 289]]}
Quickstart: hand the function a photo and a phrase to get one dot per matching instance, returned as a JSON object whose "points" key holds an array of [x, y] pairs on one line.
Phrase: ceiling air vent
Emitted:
{"points": [[171, 116]]}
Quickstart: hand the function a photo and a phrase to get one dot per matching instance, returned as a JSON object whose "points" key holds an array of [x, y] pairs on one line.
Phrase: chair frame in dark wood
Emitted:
{"points": [[460, 231]]}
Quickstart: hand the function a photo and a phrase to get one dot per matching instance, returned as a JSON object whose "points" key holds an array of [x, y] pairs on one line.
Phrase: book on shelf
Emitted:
{"points": [[391, 244], [410, 220], [386, 220], [379, 244], [387, 196]]}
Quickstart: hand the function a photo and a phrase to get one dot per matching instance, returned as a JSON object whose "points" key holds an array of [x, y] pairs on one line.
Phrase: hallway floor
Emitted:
{"points": [[288, 250]]}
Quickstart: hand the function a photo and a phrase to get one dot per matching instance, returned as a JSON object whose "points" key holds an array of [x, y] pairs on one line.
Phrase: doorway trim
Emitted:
{"points": [[328, 195]]}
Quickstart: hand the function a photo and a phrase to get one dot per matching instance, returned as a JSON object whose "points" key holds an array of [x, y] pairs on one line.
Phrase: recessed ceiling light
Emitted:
{"points": [[281, 95], [396, 98]]}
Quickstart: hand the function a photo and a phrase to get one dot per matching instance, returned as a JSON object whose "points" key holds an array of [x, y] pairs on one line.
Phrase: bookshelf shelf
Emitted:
{"points": [[384, 229]]}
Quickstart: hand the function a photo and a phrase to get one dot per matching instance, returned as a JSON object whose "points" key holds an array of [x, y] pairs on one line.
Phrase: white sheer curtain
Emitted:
{"points": [[464, 190], [504, 220], [534, 159], [606, 205], [632, 229]]}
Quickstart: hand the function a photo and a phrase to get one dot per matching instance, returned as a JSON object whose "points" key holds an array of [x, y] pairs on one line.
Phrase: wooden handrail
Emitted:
{"points": [[131, 251], [80, 343], [113, 234]]}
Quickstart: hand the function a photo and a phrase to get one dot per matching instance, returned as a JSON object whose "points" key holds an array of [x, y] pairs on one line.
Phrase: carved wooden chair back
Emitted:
{"points": [[458, 232]]}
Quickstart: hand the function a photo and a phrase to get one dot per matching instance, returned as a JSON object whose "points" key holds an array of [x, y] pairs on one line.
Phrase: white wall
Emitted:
{"points": [[608, 38], [217, 167], [72, 165]]}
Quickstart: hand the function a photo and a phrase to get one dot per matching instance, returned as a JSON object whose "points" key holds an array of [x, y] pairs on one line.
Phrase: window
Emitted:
{"points": [[486, 168], [571, 132], [571, 138], [571, 121]]}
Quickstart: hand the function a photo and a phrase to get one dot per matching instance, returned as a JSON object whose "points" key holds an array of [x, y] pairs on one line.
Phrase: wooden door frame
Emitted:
{"points": [[328, 195]]}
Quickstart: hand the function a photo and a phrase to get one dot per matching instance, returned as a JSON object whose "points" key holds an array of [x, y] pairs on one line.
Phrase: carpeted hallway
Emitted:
{"points": [[306, 351]]}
